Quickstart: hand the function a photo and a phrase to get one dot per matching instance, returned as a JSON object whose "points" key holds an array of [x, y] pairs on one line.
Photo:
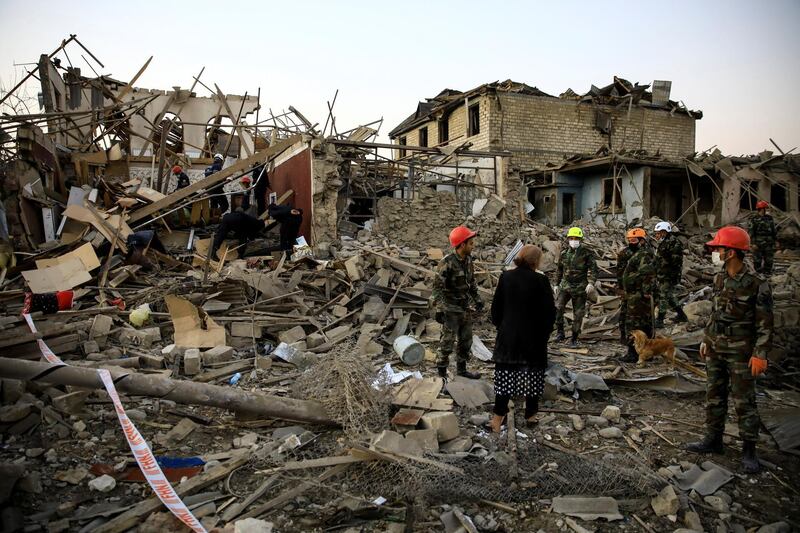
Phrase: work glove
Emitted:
{"points": [[556, 290], [757, 365], [589, 288], [703, 350]]}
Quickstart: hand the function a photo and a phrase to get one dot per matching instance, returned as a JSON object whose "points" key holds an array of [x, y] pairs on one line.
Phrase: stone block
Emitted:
{"points": [[353, 268], [425, 438], [290, 336], [192, 362], [339, 311], [90, 347], [612, 413], [151, 361], [314, 340], [72, 403], [101, 325], [217, 354], [444, 422], [457, 445], [391, 441], [246, 329]]}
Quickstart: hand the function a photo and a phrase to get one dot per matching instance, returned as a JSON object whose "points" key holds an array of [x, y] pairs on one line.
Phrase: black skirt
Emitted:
{"points": [[515, 380]]}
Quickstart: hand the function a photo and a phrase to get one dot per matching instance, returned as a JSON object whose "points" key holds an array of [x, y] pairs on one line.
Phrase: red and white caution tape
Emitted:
{"points": [[141, 451]]}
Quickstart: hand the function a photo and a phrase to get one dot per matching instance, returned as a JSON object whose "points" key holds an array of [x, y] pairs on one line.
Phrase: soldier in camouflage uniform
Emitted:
{"points": [[577, 271], [669, 264], [639, 284], [763, 235], [622, 261], [737, 338], [454, 288]]}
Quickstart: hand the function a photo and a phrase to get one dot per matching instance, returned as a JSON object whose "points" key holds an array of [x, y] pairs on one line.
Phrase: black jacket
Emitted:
{"points": [[523, 311]]}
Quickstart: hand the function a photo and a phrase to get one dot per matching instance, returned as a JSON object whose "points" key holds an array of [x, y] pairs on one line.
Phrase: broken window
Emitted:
{"points": [[444, 131], [474, 126], [749, 196], [403, 141], [609, 196], [705, 196], [777, 196], [423, 136]]}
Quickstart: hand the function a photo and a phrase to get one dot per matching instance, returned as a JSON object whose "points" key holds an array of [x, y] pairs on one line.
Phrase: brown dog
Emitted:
{"points": [[648, 348]]}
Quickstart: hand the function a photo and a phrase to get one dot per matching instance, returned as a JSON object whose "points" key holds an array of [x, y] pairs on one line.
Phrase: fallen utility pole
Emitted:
{"points": [[185, 392]]}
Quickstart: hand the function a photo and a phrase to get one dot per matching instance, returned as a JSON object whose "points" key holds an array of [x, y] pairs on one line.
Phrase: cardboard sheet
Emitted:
{"points": [[106, 225], [84, 253], [191, 329], [61, 277]]}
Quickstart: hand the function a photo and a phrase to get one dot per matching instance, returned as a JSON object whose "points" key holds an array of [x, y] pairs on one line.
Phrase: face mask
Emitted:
{"points": [[717, 259], [574, 244], [633, 245]]}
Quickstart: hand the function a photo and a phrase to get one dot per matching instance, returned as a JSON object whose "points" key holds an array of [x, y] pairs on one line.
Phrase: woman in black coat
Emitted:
{"points": [[523, 311]]}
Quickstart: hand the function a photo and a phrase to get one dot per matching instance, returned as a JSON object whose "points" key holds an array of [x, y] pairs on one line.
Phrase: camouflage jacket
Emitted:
{"points": [[622, 261], [639, 277], [669, 259], [741, 316], [762, 230], [576, 267], [454, 285]]}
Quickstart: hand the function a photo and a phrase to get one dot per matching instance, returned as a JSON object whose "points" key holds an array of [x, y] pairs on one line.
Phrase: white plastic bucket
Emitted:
{"points": [[411, 352]]}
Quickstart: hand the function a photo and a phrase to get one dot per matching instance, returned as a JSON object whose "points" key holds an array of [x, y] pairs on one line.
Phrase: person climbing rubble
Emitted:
{"points": [[454, 288], [290, 219], [763, 236], [737, 339], [639, 284], [577, 272], [669, 266], [244, 227]]}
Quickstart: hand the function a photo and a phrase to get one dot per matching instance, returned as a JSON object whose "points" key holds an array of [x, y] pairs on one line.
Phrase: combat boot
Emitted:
{"points": [[750, 462], [559, 336], [573, 342], [442, 371], [660, 320], [631, 356], [461, 370], [623, 336], [681, 316], [711, 443]]}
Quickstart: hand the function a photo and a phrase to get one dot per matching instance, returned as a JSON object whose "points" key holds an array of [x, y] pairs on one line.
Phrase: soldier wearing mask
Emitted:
{"points": [[622, 261], [763, 236], [669, 265], [738, 337], [577, 272], [639, 284]]}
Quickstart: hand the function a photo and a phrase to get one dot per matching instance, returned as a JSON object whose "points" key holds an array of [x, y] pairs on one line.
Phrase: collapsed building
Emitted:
{"points": [[273, 392]]}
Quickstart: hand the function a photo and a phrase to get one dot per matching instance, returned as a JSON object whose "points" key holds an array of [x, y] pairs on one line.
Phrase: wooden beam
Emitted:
{"points": [[236, 125], [128, 88]]}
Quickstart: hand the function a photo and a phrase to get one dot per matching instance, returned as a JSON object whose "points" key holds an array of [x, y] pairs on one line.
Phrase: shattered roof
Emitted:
{"points": [[620, 91]]}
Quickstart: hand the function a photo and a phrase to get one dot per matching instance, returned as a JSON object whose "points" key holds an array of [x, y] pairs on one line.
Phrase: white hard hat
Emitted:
{"points": [[664, 226], [218, 156]]}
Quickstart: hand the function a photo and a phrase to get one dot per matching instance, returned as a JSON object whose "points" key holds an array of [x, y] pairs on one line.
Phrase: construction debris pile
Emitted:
{"points": [[297, 393]]}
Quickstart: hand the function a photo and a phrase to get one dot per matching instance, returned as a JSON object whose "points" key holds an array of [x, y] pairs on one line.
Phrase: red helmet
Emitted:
{"points": [[460, 235], [177, 169], [246, 179], [731, 237], [762, 204]]}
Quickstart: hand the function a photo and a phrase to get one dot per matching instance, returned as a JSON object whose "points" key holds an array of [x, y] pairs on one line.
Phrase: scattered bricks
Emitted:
{"points": [[192, 362], [391, 441], [292, 335], [246, 329], [339, 311], [445, 424], [314, 340], [612, 413], [151, 361], [352, 266], [425, 438], [142, 337], [101, 325], [170, 352], [90, 347], [217, 354], [72, 403]]}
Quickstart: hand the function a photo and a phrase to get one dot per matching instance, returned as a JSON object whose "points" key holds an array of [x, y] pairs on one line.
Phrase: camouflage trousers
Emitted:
{"points": [[578, 298], [666, 297], [623, 312], [729, 374], [638, 314], [456, 331], [763, 258]]}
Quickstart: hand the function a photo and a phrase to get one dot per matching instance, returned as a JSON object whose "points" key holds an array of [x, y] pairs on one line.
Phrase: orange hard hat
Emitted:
{"points": [[636, 233], [177, 169], [762, 204], [730, 237], [460, 235]]}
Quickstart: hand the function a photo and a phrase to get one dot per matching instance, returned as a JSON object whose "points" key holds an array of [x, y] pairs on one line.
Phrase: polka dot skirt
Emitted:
{"points": [[519, 382]]}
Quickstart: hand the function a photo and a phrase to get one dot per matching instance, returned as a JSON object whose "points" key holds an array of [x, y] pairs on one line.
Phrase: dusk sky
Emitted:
{"points": [[736, 61]]}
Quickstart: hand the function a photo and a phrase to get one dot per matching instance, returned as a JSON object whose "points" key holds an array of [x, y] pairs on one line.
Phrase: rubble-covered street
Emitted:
{"points": [[157, 373]]}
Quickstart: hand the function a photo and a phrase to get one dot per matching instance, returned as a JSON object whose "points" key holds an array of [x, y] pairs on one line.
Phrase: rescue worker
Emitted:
{"points": [[738, 337], [290, 220], [454, 288], [639, 284], [622, 261], [763, 236], [260, 188], [219, 201], [244, 227], [181, 177], [669, 265], [577, 272]]}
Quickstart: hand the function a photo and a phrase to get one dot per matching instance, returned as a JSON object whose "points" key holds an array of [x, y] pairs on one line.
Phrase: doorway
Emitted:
{"points": [[567, 208]]}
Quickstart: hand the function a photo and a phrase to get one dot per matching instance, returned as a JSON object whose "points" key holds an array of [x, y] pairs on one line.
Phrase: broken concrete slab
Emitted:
{"points": [[426, 439], [587, 508], [666, 503], [218, 354], [706, 479]]}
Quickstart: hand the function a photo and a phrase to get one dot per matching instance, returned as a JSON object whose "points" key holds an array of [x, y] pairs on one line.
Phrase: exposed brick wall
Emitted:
{"points": [[538, 130]]}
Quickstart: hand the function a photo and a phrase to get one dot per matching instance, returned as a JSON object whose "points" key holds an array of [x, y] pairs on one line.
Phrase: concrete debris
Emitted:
{"points": [[218, 347]]}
